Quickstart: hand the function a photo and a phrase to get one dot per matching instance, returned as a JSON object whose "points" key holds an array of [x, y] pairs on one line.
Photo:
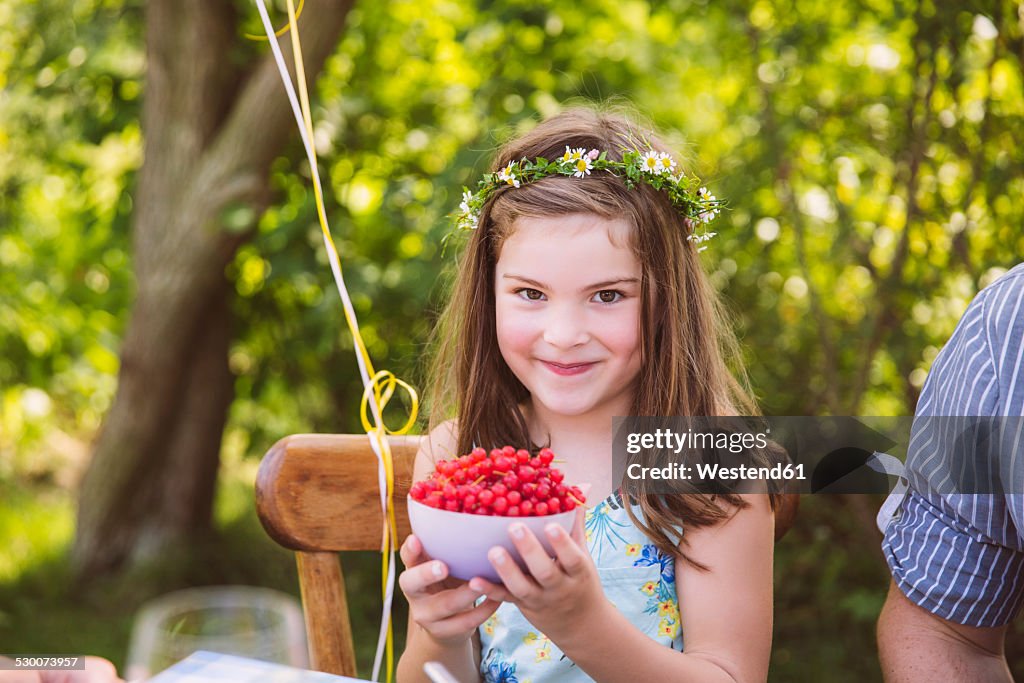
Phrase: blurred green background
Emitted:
{"points": [[869, 152]]}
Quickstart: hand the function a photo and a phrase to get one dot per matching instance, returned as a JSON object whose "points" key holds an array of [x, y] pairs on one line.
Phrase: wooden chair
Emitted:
{"points": [[317, 495]]}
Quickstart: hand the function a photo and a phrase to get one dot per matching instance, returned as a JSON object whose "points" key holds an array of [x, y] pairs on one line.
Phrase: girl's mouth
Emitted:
{"points": [[574, 369]]}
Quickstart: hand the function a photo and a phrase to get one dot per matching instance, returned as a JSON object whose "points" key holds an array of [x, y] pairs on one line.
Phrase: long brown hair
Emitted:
{"points": [[686, 349]]}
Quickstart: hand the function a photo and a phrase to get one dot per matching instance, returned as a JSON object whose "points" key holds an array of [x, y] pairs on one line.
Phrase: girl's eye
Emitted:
{"points": [[530, 294], [608, 296]]}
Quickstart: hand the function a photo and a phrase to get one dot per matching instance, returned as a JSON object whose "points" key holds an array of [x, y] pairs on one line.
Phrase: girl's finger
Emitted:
{"points": [[465, 622], [518, 584], [416, 580], [411, 551], [446, 604], [571, 557], [540, 565], [493, 591]]}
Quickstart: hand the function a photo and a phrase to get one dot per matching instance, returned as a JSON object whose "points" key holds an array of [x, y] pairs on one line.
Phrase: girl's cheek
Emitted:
{"points": [[514, 331], [624, 330]]}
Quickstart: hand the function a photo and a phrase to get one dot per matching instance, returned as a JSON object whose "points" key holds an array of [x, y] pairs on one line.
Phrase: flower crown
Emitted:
{"points": [[653, 168]]}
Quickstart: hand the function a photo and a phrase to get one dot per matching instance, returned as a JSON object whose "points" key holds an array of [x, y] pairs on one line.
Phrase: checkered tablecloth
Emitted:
{"points": [[208, 667]]}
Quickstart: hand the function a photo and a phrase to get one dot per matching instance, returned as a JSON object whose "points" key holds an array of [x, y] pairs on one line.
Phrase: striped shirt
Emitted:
{"points": [[961, 556]]}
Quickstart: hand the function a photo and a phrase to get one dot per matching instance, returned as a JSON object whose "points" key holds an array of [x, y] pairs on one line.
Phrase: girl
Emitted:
{"points": [[579, 299]]}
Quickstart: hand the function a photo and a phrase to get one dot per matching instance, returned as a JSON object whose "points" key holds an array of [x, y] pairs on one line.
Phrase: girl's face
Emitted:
{"points": [[567, 302]]}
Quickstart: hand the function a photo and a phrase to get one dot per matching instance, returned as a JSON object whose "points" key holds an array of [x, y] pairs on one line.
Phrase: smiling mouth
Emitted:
{"points": [[573, 369]]}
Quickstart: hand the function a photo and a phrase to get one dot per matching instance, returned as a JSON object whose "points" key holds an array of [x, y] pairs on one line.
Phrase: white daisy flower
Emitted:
{"points": [[704, 195], [464, 206], [507, 175], [667, 163], [582, 166], [651, 163], [572, 155]]}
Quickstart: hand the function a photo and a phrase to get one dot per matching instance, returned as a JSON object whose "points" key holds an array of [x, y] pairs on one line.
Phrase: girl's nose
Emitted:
{"points": [[566, 329]]}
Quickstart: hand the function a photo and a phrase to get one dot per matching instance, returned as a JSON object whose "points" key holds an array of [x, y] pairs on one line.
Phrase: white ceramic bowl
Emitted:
{"points": [[461, 540]]}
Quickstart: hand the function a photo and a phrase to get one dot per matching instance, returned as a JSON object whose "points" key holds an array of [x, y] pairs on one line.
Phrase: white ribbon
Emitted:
{"points": [[893, 467], [347, 303]]}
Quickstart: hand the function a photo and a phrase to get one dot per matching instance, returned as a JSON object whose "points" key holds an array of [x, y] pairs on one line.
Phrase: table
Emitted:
{"points": [[208, 667]]}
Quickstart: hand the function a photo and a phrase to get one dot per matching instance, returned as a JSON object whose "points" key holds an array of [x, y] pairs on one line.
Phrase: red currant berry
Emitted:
{"points": [[513, 511], [546, 456], [514, 498], [541, 509], [526, 508], [500, 505]]}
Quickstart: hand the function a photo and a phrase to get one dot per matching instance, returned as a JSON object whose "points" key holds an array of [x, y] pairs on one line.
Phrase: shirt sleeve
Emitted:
{"points": [[956, 553], [943, 562]]}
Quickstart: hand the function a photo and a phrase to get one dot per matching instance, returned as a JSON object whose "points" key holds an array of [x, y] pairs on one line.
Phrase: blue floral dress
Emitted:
{"points": [[637, 578]]}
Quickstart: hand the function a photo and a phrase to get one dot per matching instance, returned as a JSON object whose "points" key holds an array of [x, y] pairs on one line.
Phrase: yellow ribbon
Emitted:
{"points": [[281, 31], [381, 385]]}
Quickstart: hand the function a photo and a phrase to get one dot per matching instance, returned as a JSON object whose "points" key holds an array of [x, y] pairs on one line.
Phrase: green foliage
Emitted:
{"points": [[69, 146], [867, 152]]}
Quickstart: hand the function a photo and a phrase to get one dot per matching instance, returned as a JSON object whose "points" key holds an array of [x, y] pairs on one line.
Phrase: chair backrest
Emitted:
{"points": [[317, 494]]}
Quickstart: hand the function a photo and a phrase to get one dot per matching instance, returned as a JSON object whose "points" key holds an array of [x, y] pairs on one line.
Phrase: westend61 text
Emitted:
{"points": [[716, 472]]}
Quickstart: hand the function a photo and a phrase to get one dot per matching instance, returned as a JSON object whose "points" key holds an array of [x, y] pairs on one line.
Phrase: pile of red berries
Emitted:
{"points": [[505, 482]]}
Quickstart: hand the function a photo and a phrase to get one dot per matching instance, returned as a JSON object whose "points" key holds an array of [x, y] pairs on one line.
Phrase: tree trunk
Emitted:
{"points": [[211, 130]]}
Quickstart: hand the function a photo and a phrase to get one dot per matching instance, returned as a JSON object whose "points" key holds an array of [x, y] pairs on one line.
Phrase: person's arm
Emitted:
{"points": [[916, 646], [443, 620], [726, 612]]}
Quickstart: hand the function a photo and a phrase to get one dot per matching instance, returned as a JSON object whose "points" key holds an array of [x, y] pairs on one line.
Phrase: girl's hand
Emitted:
{"points": [[442, 606], [557, 593]]}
